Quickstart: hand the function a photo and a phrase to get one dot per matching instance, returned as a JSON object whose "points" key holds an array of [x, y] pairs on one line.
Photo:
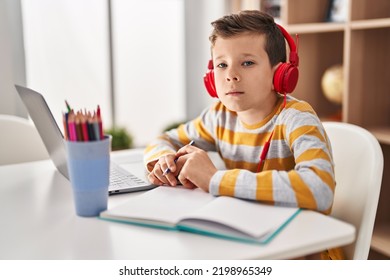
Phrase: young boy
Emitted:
{"points": [[247, 48]]}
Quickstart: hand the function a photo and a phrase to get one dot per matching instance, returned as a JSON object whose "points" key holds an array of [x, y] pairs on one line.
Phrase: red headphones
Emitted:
{"points": [[285, 77]]}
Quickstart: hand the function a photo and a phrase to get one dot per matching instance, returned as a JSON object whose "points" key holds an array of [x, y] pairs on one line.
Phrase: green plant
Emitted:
{"points": [[121, 138], [172, 126]]}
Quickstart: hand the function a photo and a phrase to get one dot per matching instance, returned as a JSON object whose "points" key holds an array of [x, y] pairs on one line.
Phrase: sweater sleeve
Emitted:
{"points": [[201, 130], [309, 184]]}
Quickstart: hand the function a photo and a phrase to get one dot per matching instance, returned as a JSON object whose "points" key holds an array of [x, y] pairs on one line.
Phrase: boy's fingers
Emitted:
{"points": [[171, 178], [153, 179], [186, 150], [170, 161], [158, 173], [185, 182]]}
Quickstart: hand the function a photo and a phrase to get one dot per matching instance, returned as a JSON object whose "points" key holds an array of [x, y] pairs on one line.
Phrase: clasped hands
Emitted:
{"points": [[190, 166]]}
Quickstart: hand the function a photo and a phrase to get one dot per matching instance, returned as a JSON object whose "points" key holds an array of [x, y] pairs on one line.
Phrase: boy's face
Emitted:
{"points": [[243, 74]]}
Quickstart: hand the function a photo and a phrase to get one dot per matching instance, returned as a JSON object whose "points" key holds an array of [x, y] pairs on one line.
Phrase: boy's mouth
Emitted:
{"points": [[234, 93]]}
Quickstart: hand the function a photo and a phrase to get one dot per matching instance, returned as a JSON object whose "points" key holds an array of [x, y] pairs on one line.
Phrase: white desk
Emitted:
{"points": [[38, 221]]}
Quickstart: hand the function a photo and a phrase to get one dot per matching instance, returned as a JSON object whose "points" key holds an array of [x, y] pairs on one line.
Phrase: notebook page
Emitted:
{"points": [[252, 218], [161, 205]]}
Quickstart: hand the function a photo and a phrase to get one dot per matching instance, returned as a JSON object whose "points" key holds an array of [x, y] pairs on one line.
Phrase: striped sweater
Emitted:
{"points": [[298, 169]]}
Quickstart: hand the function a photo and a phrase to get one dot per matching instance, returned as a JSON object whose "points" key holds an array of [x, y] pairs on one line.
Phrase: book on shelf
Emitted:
{"points": [[196, 211]]}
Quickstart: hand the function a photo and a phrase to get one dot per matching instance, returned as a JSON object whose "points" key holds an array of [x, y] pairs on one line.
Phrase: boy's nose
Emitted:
{"points": [[233, 77]]}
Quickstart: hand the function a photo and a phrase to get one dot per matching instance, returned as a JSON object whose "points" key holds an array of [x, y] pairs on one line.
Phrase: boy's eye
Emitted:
{"points": [[222, 65], [248, 63]]}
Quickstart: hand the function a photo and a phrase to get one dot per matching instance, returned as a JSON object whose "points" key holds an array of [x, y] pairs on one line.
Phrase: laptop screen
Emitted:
{"points": [[46, 125]]}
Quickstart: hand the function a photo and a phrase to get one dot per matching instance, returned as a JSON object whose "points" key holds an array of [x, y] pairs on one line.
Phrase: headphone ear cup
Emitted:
{"points": [[286, 78], [209, 83]]}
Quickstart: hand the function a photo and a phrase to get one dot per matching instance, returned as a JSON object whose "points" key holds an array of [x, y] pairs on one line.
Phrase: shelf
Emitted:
{"points": [[380, 240], [335, 26], [315, 27], [366, 9], [303, 11], [371, 23]]}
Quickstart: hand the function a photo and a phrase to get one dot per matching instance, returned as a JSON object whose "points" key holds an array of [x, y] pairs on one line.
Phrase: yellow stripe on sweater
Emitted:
{"points": [[203, 131], [269, 164], [149, 148], [300, 106], [311, 154], [241, 138], [307, 130], [279, 132], [228, 182], [287, 163], [183, 138], [233, 164], [325, 177], [304, 196]]}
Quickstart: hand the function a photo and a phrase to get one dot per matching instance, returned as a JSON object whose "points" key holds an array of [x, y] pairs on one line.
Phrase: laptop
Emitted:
{"points": [[121, 180]]}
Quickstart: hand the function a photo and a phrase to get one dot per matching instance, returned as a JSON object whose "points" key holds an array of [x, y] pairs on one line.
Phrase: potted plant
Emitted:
{"points": [[121, 138]]}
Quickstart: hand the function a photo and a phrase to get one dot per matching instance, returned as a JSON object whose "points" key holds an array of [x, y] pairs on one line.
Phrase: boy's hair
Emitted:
{"points": [[254, 22]]}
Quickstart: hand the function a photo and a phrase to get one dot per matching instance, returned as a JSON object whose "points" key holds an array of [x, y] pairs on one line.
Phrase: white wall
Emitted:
{"points": [[198, 16], [149, 65], [159, 76], [68, 58], [67, 53], [12, 67]]}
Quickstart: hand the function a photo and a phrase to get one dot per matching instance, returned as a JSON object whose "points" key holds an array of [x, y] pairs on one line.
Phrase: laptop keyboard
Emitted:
{"points": [[123, 179]]}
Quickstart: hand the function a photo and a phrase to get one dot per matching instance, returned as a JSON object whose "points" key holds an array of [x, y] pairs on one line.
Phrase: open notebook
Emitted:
{"points": [[120, 179], [196, 211]]}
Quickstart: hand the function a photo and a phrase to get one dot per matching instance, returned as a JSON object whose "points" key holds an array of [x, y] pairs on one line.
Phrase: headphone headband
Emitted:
{"points": [[294, 59]]}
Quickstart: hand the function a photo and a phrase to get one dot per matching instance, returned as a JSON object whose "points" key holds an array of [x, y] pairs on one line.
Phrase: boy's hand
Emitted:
{"points": [[197, 168], [157, 177]]}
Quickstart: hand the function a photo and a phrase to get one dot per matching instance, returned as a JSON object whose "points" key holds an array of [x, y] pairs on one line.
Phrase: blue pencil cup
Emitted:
{"points": [[89, 171]]}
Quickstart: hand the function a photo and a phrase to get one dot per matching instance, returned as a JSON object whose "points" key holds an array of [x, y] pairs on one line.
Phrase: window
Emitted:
{"points": [[67, 57]]}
